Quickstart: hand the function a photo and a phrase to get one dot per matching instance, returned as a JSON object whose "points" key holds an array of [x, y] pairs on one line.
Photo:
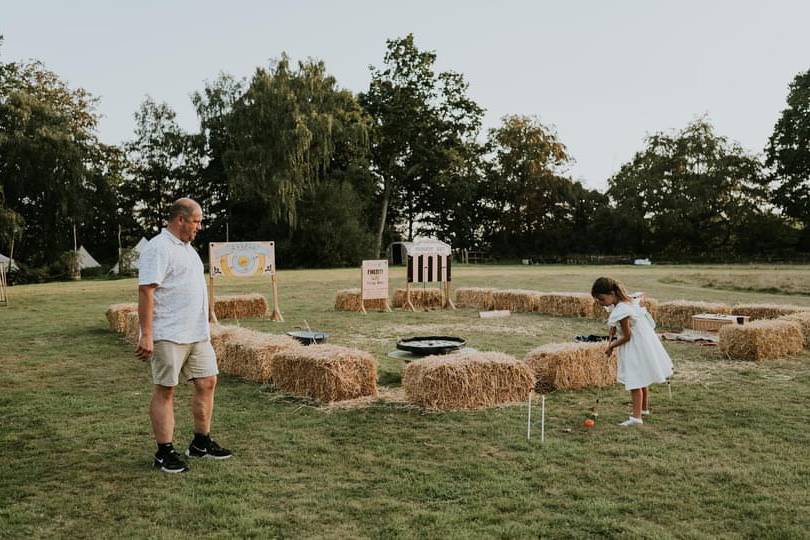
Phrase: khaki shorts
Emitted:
{"points": [[192, 360]]}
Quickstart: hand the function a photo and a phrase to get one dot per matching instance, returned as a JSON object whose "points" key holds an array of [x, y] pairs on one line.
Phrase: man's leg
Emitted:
{"points": [[201, 369], [202, 403], [161, 412], [166, 361]]}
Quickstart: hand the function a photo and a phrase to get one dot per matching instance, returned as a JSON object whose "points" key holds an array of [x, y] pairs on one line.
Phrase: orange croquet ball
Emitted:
{"points": [[589, 423]]}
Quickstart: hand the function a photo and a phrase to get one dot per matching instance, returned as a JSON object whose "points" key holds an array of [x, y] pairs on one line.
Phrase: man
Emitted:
{"points": [[173, 312]]}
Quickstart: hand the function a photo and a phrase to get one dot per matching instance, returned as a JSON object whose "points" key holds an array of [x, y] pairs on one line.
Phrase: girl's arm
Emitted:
{"points": [[626, 335]]}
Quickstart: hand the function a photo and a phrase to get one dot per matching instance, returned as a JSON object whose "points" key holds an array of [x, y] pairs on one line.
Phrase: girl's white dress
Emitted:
{"points": [[642, 360]]}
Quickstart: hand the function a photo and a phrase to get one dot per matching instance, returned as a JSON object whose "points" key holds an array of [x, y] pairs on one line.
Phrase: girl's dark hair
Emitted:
{"points": [[606, 285]]}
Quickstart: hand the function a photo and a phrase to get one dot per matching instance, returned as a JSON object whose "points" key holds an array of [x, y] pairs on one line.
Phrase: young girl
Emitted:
{"points": [[642, 358]]}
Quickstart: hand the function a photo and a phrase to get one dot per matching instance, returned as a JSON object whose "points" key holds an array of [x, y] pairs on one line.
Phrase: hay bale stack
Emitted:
{"points": [[599, 312], [476, 298], [249, 354], [766, 311], [572, 366], [133, 328], [803, 318], [678, 313], [516, 300], [221, 335], [325, 373], [349, 300], [761, 340], [464, 381], [117, 316], [566, 304], [420, 298], [240, 306]]}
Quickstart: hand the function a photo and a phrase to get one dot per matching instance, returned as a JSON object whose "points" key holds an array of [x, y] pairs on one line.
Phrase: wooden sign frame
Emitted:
{"points": [[264, 263], [365, 268], [426, 272], [3, 286]]}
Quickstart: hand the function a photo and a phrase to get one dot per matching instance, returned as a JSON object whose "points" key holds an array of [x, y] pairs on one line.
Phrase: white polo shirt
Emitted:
{"points": [[181, 299]]}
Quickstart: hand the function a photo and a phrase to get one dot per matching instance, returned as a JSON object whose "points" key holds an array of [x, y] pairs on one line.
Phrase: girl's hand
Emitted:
{"points": [[609, 350]]}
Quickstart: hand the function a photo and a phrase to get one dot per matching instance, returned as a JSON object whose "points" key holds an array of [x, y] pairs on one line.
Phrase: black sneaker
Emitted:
{"points": [[170, 462], [211, 450]]}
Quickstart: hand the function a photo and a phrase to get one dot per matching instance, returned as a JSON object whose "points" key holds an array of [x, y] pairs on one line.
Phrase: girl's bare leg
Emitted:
{"points": [[637, 395], [645, 399]]}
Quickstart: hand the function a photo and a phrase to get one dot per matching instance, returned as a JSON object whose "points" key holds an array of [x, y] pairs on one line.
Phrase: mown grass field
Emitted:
{"points": [[728, 456]]}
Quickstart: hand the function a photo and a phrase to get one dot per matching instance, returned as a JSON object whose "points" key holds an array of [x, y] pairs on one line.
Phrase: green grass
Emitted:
{"points": [[726, 457]]}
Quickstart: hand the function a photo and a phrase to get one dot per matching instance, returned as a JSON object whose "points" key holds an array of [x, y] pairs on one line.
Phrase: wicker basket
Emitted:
{"points": [[711, 322]]}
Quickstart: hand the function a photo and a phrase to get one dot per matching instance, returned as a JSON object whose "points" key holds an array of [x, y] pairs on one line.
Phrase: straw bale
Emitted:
{"points": [[117, 316], [678, 313], [766, 311], [463, 381], [761, 340], [516, 300], [249, 354], [221, 335], [240, 306], [599, 312], [349, 300], [420, 298], [325, 373], [476, 297], [803, 318], [133, 328], [566, 304], [572, 366]]}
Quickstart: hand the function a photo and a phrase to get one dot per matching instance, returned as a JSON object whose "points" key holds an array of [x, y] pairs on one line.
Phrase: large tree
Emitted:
{"points": [[214, 105], [688, 192], [422, 122], [164, 164], [290, 129], [531, 200], [51, 161], [788, 154]]}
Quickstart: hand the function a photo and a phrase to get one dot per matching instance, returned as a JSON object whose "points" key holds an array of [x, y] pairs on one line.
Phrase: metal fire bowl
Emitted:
{"points": [[428, 345]]}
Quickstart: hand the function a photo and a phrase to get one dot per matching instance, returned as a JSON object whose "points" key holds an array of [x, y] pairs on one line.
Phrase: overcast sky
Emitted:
{"points": [[604, 73]]}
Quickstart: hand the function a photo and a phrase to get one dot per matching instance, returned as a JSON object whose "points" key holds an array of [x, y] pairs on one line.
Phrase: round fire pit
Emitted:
{"points": [[308, 337], [428, 345]]}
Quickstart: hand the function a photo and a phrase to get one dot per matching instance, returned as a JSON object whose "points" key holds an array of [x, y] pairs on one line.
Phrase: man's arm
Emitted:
{"points": [[146, 301]]}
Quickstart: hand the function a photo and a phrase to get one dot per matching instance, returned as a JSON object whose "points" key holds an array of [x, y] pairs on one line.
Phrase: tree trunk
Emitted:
{"points": [[383, 216]]}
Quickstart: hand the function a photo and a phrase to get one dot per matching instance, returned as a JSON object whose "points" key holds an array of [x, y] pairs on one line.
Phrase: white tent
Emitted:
{"points": [[131, 256], [86, 260], [8, 263]]}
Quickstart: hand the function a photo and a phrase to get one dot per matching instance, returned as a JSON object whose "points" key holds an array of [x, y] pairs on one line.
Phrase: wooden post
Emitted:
{"points": [[3, 293], [276, 316], [449, 297], [77, 265], [120, 252], [362, 290], [211, 301], [543, 418]]}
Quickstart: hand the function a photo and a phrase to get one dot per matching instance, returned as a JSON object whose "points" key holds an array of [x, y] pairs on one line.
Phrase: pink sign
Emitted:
{"points": [[375, 280]]}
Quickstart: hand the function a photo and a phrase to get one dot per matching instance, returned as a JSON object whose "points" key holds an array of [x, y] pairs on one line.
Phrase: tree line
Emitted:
{"points": [[333, 176]]}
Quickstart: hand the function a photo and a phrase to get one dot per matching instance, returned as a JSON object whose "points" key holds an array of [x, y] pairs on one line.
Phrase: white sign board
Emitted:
{"points": [[375, 280], [242, 259]]}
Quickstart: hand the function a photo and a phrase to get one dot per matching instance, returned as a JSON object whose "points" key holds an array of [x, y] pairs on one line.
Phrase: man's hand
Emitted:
{"points": [[145, 347]]}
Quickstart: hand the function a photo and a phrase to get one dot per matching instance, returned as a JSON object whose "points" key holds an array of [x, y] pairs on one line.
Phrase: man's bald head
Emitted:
{"points": [[185, 219], [184, 207]]}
